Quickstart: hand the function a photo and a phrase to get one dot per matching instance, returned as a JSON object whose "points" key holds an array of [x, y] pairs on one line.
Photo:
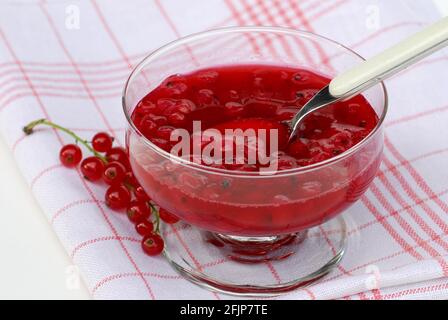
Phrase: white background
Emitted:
{"points": [[34, 265]]}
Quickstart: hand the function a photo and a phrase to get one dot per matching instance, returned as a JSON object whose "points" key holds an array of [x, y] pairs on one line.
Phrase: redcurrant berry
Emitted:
{"points": [[118, 154], [153, 244], [167, 217], [92, 168], [144, 228], [165, 132], [70, 155], [118, 197], [102, 142], [129, 179], [114, 173], [177, 119], [147, 126], [141, 195], [138, 211], [298, 149]]}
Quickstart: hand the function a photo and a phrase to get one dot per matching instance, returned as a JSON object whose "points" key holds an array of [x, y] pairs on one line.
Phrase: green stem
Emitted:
{"points": [[28, 129], [156, 214]]}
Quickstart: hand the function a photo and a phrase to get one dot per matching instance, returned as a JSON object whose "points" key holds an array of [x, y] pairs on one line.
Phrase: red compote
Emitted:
{"points": [[226, 197]]}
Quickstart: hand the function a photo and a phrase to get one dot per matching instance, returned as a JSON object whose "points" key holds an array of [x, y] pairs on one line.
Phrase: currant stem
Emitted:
{"points": [[156, 213], [28, 129]]}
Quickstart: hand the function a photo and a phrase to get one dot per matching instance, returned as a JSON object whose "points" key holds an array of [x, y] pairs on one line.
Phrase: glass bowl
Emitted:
{"points": [[248, 233]]}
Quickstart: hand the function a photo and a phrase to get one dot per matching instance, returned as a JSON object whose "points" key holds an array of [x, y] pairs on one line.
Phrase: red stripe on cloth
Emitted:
{"points": [[302, 17], [127, 275], [289, 23], [408, 292], [59, 81], [382, 259], [89, 190], [60, 40], [395, 212], [375, 35], [328, 9], [392, 232], [240, 21], [91, 194], [71, 205], [401, 221], [44, 172], [92, 64], [167, 18], [274, 272], [100, 239], [266, 10], [396, 254], [268, 42], [312, 6], [190, 254], [418, 158], [419, 65], [333, 249], [54, 88], [417, 116], [111, 34], [416, 199], [115, 40], [15, 97], [140, 56], [420, 182], [27, 79], [174, 29], [34, 68], [18, 141]]}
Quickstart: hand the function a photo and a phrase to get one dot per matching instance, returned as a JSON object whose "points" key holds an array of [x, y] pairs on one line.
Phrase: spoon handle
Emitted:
{"points": [[391, 61]]}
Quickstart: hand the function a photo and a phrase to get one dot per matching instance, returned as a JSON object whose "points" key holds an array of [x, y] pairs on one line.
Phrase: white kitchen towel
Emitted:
{"points": [[68, 60]]}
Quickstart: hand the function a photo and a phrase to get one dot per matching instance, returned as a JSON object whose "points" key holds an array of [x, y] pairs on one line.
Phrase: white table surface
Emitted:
{"points": [[34, 265]]}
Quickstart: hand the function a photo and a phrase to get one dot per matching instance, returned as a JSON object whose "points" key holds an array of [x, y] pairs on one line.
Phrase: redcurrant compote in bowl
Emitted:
{"points": [[263, 224]]}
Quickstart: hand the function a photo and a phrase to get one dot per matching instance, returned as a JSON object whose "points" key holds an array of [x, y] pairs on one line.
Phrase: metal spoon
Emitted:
{"points": [[371, 72]]}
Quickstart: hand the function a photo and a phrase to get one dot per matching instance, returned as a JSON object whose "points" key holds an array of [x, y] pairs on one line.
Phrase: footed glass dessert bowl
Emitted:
{"points": [[208, 140]]}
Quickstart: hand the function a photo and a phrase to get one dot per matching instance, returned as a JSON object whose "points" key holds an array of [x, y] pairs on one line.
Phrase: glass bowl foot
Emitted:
{"points": [[255, 266]]}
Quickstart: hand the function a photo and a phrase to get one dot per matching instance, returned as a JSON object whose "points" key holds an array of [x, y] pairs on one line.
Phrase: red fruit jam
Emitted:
{"points": [[254, 97]]}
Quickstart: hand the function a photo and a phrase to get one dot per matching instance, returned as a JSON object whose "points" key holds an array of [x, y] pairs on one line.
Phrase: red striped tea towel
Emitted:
{"points": [[72, 70]]}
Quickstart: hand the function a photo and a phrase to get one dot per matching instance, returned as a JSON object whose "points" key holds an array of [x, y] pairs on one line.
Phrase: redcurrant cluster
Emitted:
{"points": [[110, 164]]}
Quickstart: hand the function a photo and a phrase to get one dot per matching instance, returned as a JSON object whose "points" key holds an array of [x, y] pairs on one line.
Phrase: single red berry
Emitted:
{"points": [[92, 168], [167, 217], [102, 142], [234, 109], [118, 197], [144, 228], [70, 155], [298, 149], [114, 173], [141, 195], [165, 132], [153, 244], [138, 211], [177, 119], [118, 154], [147, 126], [129, 179]]}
